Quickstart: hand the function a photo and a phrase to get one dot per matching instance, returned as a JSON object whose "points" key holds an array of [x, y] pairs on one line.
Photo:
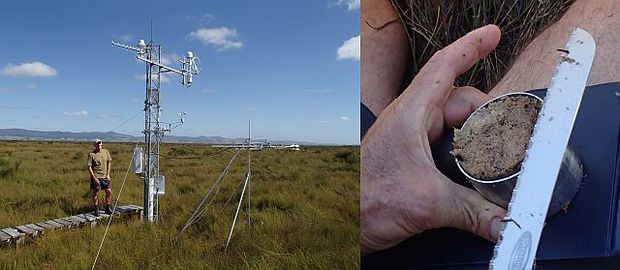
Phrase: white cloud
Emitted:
{"points": [[345, 118], [350, 49], [79, 113], [351, 4], [165, 78], [169, 59], [251, 109], [125, 38], [221, 37], [320, 122], [201, 20], [34, 69]]}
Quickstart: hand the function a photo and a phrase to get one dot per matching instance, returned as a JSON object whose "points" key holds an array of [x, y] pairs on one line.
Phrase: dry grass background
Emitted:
{"points": [[305, 209], [432, 25]]}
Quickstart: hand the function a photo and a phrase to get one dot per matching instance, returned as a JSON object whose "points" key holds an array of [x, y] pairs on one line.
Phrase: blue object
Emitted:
{"points": [[587, 236]]}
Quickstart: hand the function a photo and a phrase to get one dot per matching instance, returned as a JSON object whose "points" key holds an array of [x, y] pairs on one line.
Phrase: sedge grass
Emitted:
{"points": [[432, 25], [305, 209]]}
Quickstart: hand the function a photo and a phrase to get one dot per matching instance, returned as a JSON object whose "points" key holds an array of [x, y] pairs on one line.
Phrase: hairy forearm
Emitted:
{"points": [[109, 168], [92, 174], [534, 68], [385, 50]]}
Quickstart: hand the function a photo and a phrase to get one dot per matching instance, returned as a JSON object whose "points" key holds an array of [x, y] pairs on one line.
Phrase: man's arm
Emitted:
{"points": [[534, 68], [109, 163], [109, 169], [385, 50], [90, 169], [92, 174]]}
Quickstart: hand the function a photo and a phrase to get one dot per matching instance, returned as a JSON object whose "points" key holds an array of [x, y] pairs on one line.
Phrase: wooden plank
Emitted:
{"points": [[46, 226], [12, 232], [135, 209], [16, 234], [135, 206], [4, 237], [87, 218], [83, 216], [79, 219], [74, 222], [123, 209], [91, 216], [27, 230], [58, 226], [40, 229], [65, 223], [91, 220]]}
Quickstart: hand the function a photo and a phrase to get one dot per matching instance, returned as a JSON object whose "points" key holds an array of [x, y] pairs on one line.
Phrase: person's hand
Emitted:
{"points": [[109, 179], [402, 192]]}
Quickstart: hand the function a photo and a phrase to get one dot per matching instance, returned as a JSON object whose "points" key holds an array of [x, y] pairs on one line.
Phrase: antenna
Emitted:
{"points": [[154, 183], [151, 30]]}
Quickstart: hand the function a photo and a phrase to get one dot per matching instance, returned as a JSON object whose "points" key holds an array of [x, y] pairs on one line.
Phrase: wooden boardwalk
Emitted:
{"points": [[17, 234]]}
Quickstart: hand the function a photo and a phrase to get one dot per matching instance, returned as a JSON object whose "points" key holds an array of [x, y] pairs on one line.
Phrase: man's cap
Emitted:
{"points": [[97, 141]]}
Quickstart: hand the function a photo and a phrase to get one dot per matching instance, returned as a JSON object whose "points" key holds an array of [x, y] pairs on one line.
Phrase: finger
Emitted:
{"points": [[433, 83], [461, 103], [465, 209]]}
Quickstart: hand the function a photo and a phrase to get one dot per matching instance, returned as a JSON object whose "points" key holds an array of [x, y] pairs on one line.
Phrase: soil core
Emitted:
{"points": [[492, 142]]}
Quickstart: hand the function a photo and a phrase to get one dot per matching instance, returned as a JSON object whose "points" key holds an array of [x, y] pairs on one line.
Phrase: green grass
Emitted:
{"points": [[305, 209]]}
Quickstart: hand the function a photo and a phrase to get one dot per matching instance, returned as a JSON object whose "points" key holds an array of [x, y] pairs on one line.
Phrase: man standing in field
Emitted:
{"points": [[99, 167]]}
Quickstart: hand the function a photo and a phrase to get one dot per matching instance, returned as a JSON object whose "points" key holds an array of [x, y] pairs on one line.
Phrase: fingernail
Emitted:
{"points": [[496, 226]]}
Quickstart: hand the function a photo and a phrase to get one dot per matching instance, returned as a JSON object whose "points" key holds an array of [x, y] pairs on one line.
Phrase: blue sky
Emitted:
{"points": [[291, 67]]}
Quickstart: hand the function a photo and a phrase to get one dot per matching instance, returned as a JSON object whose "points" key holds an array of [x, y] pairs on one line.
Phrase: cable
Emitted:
{"points": [[199, 211], [196, 215], [127, 121], [204, 209], [111, 215], [216, 153], [280, 178], [231, 196]]}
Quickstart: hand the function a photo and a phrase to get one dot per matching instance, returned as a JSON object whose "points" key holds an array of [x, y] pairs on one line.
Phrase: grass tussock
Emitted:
{"points": [[305, 209], [432, 25]]}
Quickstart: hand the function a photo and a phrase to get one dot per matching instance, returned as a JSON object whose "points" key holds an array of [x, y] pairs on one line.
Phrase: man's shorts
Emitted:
{"points": [[104, 183]]}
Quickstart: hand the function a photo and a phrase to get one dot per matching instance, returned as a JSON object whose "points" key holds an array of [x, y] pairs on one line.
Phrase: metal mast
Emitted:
{"points": [[248, 176], [153, 131], [202, 206], [249, 172]]}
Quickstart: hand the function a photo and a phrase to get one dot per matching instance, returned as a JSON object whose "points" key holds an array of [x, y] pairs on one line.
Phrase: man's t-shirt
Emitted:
{"points": [[99, 162]]}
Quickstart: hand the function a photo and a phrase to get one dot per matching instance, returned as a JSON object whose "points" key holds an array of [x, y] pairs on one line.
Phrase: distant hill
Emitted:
{"points": [[24, 134]]}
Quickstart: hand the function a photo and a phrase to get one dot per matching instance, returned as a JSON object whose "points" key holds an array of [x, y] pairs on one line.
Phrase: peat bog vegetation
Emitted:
{"points": [[305, 209]]}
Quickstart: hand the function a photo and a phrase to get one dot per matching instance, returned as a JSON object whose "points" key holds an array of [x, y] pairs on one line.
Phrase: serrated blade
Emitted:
{"points": [[518, 241]]}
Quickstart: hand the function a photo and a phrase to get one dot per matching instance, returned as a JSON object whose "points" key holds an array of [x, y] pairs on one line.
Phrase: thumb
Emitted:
{"points": [[465, 209], [461, 103]]}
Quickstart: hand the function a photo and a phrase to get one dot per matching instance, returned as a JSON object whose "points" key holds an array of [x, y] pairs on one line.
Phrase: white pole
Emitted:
{"points": [[249, 173], [236, 214]]}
